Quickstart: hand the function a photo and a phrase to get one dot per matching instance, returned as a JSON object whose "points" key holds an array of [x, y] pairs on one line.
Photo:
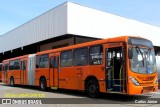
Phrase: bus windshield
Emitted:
{"points": [[143, 60]]}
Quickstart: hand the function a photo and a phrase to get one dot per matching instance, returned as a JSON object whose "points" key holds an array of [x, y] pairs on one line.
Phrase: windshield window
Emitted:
{"points": [[143, 60]]}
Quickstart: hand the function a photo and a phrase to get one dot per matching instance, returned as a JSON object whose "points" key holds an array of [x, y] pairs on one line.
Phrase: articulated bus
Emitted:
{"points": [[0, 72], [123, 64]]}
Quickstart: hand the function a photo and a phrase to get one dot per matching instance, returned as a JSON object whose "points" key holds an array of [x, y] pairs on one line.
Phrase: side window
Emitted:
{"points": [[6, 67], [23, 66], [96, 55], [17, 64], [11, 65], [109, 58], [51, 62], [81, 57], [54, 62], [66, 58], [37, 61], [43, 61], [14, 65]]}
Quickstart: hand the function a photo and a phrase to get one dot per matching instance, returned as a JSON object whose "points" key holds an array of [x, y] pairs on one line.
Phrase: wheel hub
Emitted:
{"points": [[92, 88]]}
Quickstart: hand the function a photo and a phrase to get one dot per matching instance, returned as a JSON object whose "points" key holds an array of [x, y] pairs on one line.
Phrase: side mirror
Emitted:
{"points": [[130, 53]]}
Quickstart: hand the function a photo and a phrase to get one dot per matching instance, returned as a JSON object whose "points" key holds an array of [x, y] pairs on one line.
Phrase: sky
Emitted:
{"points": [[14, 13]]}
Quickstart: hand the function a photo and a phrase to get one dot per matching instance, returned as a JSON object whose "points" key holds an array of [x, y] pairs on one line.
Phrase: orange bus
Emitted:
{"points": [[13, 70], [123, 64], [0, 72]]}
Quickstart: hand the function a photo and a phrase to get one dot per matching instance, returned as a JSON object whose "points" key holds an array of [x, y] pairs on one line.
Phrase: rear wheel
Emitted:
{"points": [[92, 88], [12, 81], [43, 84]]}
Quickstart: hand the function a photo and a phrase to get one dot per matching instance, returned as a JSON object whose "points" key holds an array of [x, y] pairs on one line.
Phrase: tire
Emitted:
{"points": [[92, 88], [43, 84], [12, 81]]}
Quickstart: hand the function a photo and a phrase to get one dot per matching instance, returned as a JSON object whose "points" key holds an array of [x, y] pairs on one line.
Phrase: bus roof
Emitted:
{"points": [[20, 57]]}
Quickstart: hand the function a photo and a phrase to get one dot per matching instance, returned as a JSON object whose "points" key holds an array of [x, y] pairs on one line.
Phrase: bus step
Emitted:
{"points": [[117, 88], [54, 88]]}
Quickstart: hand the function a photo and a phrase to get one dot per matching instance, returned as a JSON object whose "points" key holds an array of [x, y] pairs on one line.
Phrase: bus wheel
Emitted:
{"points": [[12, 81], [43, 84], [92, 88]]}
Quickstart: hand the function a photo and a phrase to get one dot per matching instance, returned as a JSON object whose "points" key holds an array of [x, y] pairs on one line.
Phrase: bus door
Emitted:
{"points": [[115, 67], [23, 72], [5, 73], [54, 75]]}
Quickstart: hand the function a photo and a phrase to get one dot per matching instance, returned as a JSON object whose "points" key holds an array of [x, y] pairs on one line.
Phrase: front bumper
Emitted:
{"points": [[132, 89]]}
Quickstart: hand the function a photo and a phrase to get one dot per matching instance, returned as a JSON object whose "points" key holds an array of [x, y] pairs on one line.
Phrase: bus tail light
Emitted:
{"points": [[134, 81]]}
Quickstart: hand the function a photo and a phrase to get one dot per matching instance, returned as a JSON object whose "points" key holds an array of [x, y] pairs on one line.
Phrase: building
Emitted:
{"points": [[69, 24]]}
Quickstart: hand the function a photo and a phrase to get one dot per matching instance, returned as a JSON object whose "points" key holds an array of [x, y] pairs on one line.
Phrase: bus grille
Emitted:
{"points": [[150, 88]]}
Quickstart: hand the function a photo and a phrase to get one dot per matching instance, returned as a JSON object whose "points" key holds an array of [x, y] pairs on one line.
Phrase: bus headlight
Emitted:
{"points": [[134, 81], [156, 81]]}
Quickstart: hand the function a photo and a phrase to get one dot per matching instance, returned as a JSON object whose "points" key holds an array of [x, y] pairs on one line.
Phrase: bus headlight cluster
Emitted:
{"points": [[134, 81], [156, 81]]}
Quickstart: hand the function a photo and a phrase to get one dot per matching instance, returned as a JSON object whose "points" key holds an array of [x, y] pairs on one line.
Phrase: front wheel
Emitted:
{"points": [[43, 84], [92, 88]]}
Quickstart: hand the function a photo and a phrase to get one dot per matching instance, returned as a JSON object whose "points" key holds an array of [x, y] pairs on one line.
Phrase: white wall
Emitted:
{"points": [[50, 24], [90, 22], [70, 18]]}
